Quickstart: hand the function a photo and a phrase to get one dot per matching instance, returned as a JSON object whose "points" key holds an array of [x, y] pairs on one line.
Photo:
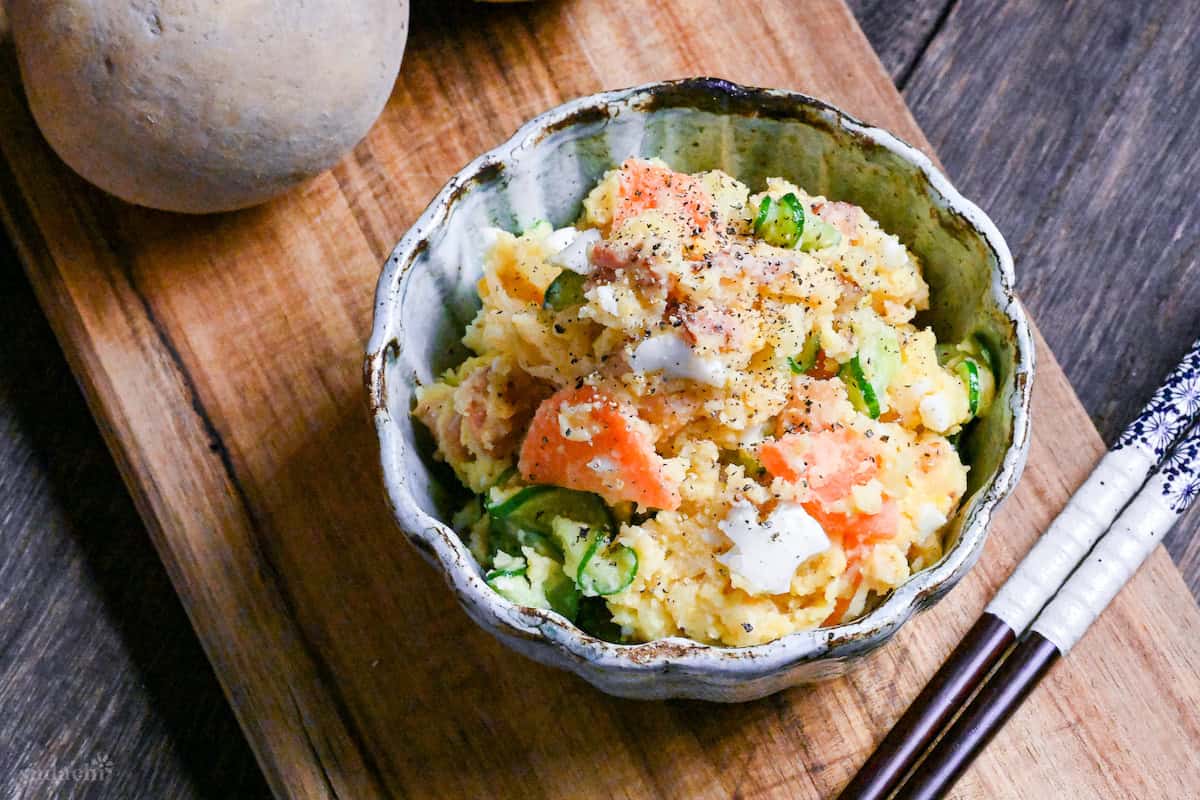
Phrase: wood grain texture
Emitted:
{"points": [[901, 33], [97, 660], [1069, 124], [284, 554]]}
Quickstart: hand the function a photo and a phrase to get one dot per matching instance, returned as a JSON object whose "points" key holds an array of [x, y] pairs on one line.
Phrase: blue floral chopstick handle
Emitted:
{"points": [[1172, 408], [1113, 483], [1181, 473]]}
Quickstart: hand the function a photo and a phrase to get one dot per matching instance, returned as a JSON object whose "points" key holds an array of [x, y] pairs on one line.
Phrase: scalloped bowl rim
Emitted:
{"points": [[676, 653]]}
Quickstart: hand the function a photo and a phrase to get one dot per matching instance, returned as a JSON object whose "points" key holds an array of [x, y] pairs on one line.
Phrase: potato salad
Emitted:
{"points": [[704, 412]]}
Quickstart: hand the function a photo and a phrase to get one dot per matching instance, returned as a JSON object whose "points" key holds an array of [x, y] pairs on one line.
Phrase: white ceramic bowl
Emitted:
{"points": [[426, 296]]}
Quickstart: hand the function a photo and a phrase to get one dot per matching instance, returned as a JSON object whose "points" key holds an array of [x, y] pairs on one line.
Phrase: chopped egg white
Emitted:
{"points": [[766, 554], [893, 253], [756, 434], [928, 520], [560, 238], [607, 300], [935, 413], [675, 357], [574, 253]]}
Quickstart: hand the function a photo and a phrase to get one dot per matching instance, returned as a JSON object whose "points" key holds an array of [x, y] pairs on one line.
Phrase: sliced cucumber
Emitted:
{"points": [[869, 374], [744, 458], [506, 536], [818, 234], [575, 540], [565, 291], [859, 388], [562, 593], [879, 353], [806, 359], [509, 580], [974, 363], [985, 351], [968, 370], [515, 586], [535, 507], [506, 566], [567, 527], [534, 581], [607, 572], [599, 567], [780, 222]]}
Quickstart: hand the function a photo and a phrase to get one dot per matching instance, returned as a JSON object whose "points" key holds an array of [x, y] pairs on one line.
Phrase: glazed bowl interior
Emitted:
{"points": [[428, 295]]}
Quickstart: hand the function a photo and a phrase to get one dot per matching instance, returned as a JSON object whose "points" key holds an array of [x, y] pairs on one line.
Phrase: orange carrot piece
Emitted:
{"points": [[605, 448], [830, 461], [643, 186]]}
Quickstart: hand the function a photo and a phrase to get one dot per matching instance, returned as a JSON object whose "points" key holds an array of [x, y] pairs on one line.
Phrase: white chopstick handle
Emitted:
{"points": [[1119, 553], [1114, 481], [1059, 550], [1110, 565]]}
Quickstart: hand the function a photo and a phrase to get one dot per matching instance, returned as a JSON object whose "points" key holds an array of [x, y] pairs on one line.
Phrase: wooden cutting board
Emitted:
{"points": [[222, 357]]}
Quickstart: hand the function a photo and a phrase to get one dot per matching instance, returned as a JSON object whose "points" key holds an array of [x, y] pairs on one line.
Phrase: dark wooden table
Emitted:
{"points": [[1071, 124]]}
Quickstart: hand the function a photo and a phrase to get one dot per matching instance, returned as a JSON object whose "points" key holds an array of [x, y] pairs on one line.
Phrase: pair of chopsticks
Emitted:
{"points": [[1095, 545]]}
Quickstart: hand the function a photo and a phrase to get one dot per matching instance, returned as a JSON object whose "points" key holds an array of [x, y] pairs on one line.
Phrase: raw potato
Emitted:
{"points": [[199, 106]]}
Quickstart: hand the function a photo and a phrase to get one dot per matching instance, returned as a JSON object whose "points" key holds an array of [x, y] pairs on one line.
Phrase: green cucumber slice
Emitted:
{"points": [[869, 374], [780, 222], [562, 594], [974, 363], [879, 354], [534, 581], [515, 588], [505, 536], [508, 579], [575, 540], [598, 567], [745, 459], [859, 388], [608, 572], [571, 527], [818, 234], [985, 352], [513, 503], [506, 566], [565, 291], [806, 359], [534, 508], [968, 370]]}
